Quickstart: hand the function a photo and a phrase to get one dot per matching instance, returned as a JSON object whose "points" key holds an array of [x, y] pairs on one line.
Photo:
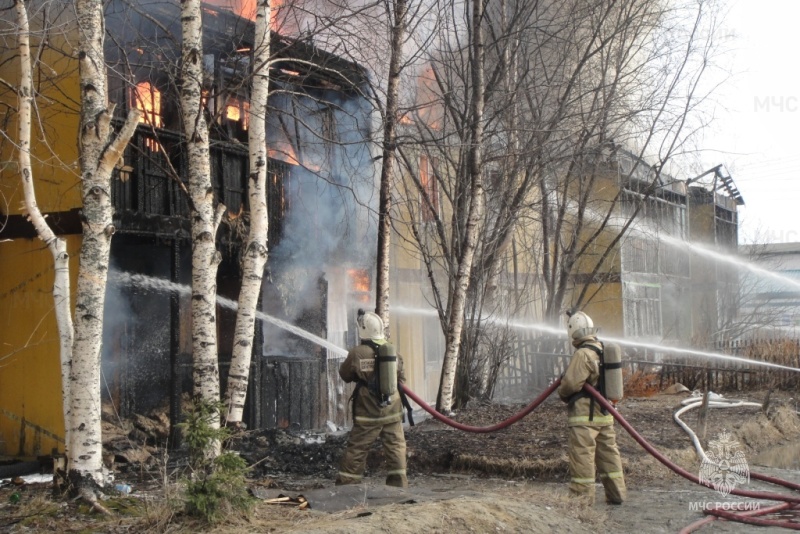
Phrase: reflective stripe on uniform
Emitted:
{"points": [[597, 420], [379, 420], [396, 472], [584, 481], [350, 475], [612, 475]]}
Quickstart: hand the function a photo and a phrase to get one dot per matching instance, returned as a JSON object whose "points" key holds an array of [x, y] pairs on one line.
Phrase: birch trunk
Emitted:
{"points": [[457, 303], [100, 152], [205, 221], [56, 245], [387, 166], [255, 249]]}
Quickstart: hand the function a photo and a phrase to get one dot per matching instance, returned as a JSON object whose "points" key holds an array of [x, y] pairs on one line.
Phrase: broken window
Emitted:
{"points": [[360, 285], [147, 99], [238, 111]]}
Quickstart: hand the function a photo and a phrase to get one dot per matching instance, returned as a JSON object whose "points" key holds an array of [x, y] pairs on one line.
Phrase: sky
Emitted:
{"points": [[756, 128]]}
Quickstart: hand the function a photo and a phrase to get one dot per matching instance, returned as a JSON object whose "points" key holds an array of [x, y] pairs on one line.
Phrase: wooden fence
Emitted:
{"points": [[538, 360]]}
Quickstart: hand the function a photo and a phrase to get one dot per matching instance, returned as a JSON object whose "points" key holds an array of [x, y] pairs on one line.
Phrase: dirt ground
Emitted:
{"points": [[513, 480]]}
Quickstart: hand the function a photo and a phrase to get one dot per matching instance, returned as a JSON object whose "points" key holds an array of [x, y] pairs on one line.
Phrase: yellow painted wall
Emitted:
{"points": [[31, 420], [54, 147], [406, 335]]}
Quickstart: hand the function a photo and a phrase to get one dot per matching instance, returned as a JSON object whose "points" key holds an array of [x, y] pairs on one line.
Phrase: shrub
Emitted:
{"points": [[217, 485]]}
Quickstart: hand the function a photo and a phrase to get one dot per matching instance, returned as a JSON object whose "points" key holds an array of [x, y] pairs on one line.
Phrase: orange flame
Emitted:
{"points": [[247, 9], [285, 154], [147, 99], [238, 110], [429, 105], [359, 280]]}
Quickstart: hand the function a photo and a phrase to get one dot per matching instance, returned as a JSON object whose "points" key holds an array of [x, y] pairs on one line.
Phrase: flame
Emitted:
{"points": [[430, 110], [247, 9], [359, 280], [237, 110], [147, 99], [284, 154]]}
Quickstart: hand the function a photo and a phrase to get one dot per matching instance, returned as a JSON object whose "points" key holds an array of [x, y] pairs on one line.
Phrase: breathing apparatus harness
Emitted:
{"points": [[614, 366], [383, 383]]}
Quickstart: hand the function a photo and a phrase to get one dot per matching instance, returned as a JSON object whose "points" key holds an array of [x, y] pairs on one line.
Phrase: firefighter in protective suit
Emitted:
{"points": [[372, 415], [591, 432]]}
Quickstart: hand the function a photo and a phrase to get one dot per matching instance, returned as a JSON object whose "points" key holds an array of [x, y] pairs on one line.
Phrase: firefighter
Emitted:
{"points": [[374, 414], [591, 431]]}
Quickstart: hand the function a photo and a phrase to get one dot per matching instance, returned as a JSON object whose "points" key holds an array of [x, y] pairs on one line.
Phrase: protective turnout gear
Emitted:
{"points": [[580, 325], [372, 416], [592, 441], [370, 325]]}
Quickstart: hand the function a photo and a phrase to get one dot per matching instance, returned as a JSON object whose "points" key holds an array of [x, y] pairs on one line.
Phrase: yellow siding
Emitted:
{"points": [[605, 309], [407, 334], [54, 144], [31, 421]]}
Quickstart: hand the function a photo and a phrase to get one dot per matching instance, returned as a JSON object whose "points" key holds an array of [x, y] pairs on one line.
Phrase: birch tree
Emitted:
{"points": [[397, 15], [100, 151], [56, 245], [205, 219], [474, 174], [566, 84], [254, 256]]}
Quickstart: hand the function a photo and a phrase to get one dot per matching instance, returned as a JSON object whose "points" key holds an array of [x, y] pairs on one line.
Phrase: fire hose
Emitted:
{"points": [[790, 501], [484, 429]]}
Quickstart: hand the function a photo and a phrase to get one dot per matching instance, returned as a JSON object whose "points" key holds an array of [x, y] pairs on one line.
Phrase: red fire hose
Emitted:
{"points": [[739, 517], [484, 429], [676, 468], [789, 501]]}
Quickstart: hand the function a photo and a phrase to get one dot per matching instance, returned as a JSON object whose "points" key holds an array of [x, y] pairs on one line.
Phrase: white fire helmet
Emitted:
{"points": [[580, 325], [370, 325]]}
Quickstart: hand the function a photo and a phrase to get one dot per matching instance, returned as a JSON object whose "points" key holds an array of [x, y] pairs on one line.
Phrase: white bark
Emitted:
{"points": [[205, 222], [56, 245], [475, 215], [255, 249], [387, 164], [100, 152]]}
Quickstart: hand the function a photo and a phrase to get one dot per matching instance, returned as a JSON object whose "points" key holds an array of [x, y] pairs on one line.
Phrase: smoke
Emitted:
{"points": [[330, 196]]}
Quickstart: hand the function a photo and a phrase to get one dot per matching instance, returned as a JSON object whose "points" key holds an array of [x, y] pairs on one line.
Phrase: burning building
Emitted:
{"points": [[321, 238]]}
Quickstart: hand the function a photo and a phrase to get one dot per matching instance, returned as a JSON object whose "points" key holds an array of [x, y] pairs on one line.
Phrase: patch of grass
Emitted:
{"points": [[510, 467], [640, 384], [785, 420], [34, 512], [758, 432]]}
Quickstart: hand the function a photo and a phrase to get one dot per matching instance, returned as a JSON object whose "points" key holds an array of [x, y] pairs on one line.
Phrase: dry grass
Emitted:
{"points": [[34, 514], [568, 505], [758, 432], [510, 467], [648, 468], [640, 384], [786, 421]]}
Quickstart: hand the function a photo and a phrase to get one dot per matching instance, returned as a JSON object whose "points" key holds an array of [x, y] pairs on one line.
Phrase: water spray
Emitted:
{"points": [[160, 284], [731, 260], [549, 329]]}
